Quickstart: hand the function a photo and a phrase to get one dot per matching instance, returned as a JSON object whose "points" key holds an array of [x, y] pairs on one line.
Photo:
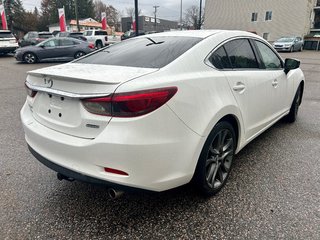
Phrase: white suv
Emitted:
{"points": [[98, 37], [8, 43]]}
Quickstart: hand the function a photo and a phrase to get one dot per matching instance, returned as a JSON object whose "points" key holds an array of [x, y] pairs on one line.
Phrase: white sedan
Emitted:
{"points": [[161, 110]]}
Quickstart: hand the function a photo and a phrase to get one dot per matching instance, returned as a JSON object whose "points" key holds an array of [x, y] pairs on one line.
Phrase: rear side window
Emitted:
{"points": [[45, 35], [219, 59], [241, 54], [67, 42], [155, 52], [6, 35], [87, 33], [100, 33]]}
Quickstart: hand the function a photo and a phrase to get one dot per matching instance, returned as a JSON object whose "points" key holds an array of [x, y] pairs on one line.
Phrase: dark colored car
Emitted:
{"points": [[130, 34], [33, 38], [77, 35], [57, 49]]}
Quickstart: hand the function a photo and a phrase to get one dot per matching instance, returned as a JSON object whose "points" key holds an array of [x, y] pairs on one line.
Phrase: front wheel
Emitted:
{"points": [[215, 161], [30, 58]]}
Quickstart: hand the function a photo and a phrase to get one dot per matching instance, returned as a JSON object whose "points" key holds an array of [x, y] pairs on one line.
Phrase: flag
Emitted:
{"points": [[3, 17], [104, 20], [62, 19]]}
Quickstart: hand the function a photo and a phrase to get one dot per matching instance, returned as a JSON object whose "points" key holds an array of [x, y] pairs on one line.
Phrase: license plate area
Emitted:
{"points": [[59, 110]]}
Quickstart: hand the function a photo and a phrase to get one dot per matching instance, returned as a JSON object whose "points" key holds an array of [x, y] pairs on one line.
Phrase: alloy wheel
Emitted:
{"points": [[219, 159], [30, 58]]}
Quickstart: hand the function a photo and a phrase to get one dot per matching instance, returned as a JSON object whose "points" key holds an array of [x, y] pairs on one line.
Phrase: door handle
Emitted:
{"points": [[239, 87], [275, 83]]}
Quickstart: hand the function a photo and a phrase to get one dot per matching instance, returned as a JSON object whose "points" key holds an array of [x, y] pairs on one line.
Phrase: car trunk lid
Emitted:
{"points": [[60, 89]]}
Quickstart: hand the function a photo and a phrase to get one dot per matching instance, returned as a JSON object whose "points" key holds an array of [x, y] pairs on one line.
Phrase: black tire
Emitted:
{"points": [[215, 161], [99, 45], [292, 116], [30, 58], [79, 54], [301, 48], [291, 49]]}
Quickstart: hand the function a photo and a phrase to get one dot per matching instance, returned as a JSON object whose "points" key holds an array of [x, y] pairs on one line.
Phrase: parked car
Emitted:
{"points": [[130, 34], [33, 38], [97, 37], [77, 35], [156, 112], [64, 49], [289, 44], [8, 42]]}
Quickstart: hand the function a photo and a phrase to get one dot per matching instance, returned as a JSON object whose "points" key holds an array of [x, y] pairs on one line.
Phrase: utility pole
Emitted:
{"points": [[77, 17], [155, 17], [136, 13], [181, 15], [200, 15]]}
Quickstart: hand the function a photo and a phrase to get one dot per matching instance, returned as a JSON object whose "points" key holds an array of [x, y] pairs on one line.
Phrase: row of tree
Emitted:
{"points": [[22, 21]]}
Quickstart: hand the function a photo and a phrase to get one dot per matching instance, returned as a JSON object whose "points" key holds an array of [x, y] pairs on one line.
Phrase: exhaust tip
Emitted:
{"points": [[114, 194]]}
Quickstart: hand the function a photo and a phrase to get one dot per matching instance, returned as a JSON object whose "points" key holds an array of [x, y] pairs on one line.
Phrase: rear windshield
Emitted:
{"points": [[6, 35], [45, 35], [154, 52]]}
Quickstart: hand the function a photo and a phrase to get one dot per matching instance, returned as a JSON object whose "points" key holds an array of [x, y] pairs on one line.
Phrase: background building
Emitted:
{"points": [[148, 24], [270, 19], [85, 24]]}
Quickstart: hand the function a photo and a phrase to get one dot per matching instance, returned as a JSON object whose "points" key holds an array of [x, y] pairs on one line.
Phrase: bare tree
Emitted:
{"points": [[113, 15], [131, 13], [191, 17]]}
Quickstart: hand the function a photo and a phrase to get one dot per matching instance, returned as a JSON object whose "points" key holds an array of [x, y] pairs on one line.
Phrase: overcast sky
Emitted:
{"points": [[169, 9]]}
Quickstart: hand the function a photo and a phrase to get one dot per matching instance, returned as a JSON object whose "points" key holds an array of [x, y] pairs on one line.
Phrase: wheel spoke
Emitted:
{"points": [[228, 144], [214, 151]]}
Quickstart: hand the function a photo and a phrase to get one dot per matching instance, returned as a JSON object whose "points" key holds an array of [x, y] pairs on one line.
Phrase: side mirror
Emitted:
{"points": [[290, 64]]}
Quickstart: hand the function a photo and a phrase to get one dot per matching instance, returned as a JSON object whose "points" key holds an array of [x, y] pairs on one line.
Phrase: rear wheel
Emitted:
{"points": [[79, 54], [99, 45], [216, 159], [292, 116], [30, 58]]}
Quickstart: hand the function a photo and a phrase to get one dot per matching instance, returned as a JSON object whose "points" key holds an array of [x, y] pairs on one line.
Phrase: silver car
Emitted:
{"points": [[289, 44]]}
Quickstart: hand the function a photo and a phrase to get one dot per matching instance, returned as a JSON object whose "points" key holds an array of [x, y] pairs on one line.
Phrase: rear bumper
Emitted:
{"points": [[8, 49], [78, 176], [157, 155]]}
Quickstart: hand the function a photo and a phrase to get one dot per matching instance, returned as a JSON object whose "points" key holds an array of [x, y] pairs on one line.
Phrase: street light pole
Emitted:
{"points": [[199, 27], [155, 17], [136, 13]]}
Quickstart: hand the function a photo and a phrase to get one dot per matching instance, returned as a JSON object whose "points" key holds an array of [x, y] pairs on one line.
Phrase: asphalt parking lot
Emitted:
{"points": [[273, 191]]}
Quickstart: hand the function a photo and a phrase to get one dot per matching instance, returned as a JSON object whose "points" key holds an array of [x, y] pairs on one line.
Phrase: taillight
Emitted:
{"points": [[131, 104], [91, 45], [30, 92]]}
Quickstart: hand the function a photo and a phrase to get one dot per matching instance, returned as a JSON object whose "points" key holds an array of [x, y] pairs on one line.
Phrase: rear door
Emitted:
{"points": [[250, 86], [67, 48]]}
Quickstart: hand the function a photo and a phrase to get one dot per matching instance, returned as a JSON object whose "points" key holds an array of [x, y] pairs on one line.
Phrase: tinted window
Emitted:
{"points": [[6, 35], [269, 58], [143, 52], [100, 33], [45, 35], [241, 54], [219, 59]]}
